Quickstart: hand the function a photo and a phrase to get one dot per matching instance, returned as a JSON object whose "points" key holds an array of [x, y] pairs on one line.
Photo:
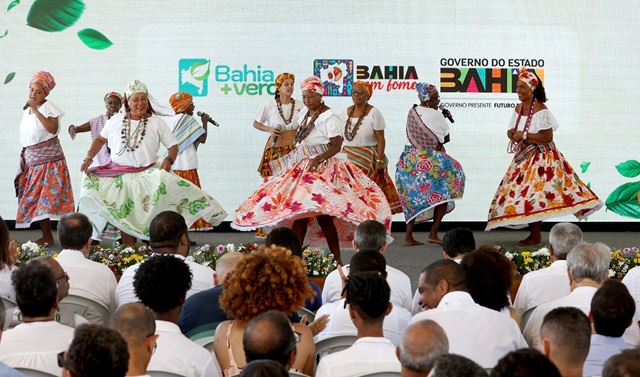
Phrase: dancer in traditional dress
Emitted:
{"points": [[190, 134], [364, 142], [43, 186], [130, 191], [113, 103], [428, 179], [278, 117], [539, 184], [323, 198]]}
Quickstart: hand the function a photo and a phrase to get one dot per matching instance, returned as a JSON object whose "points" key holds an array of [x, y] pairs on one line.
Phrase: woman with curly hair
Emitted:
{"points": [[269, 279]]}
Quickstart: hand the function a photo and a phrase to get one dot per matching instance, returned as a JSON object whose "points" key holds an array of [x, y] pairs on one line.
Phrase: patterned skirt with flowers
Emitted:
{"points": [[193, 177], [426, 178], [538, 188], [131, 200], [44, 192], [338, 189]]}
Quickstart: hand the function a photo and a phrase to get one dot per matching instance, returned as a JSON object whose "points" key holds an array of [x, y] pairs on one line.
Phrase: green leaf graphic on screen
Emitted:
{"points": [[624, 200], [584, 166], [200, 70], [5, 33], [9, 77], [54, 15], [629, 169], [12, 4], [94, 39]]}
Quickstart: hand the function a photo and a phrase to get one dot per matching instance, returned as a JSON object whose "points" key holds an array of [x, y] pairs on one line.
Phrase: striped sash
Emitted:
{"points": [[187, 131], [283, 163], [363, 157]]}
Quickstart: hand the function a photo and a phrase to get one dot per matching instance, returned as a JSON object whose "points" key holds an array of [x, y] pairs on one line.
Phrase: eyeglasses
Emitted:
{"points": [[62, 363], [298, 336], [358, 92], [64, 276]]}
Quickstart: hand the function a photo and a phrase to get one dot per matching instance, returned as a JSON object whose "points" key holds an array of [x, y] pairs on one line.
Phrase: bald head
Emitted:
{"points": [[225, 264], [269, 336], [421, 344], [134, 322]]}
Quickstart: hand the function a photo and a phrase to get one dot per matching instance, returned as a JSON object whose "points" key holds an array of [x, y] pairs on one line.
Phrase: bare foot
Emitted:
{"points": [[530, 242], [45, 241], [412, 242], [435, 240]]}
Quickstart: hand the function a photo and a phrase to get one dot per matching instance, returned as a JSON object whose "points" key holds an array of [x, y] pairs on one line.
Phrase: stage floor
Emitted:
{"points": [[411, 260]]}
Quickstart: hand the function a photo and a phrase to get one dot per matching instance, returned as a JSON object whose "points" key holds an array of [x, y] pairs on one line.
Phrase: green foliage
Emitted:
{"points": [[9, 77], [54, 15], [94, 39], [624, 200]]}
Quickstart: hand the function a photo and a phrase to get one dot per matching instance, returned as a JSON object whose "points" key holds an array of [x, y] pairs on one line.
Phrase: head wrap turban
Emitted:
{"points": [[366, 85], [113, 94], [180, 101], [136, 87], [282, 77], [313, 84], [529, 78], [46, 80], [425, 90]]}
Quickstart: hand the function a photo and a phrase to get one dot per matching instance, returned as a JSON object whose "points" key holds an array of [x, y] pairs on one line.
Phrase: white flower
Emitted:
{"points": [[315, 273], [544, 251], [206, 264], [32, 246], [230, 247], [190, 258], [508, 255], [612, 273]]}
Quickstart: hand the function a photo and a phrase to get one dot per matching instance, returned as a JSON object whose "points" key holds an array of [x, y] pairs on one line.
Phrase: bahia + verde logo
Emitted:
{"points": [[194, 76]]}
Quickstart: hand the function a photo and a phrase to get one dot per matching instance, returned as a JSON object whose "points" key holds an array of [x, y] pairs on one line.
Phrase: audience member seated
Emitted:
{"points": [[489, 278], [5, 370], [270, 336], [588, 266], [202, 312], [161, 283], [632, 281], [452, 365], [268, 279], [481, 334], [91, 280], [456, 243], [368, 298], [421, 344], [137, 326], [371, 235], [526, 362], [340, 320], [8, 259], [551, 283], [565, 335], [168, 234], [264, 368], [624, 364], [612, 310], [95, 351], [288, 238], [36, 342]]}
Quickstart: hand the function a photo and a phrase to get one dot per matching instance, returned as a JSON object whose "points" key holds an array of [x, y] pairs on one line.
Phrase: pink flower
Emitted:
{"points": [[457, 185], [220, 249], [434, 197], [424, 166], [318, 198], [205, 247]]}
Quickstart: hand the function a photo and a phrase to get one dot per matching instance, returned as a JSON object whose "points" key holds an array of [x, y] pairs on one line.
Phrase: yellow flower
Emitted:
{"points": [[55, 255], [528, 260], [526, 254]]}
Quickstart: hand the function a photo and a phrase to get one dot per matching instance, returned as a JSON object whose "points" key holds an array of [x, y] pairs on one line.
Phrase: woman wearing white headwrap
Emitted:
{"points": [[131, 190], [323, 198]]}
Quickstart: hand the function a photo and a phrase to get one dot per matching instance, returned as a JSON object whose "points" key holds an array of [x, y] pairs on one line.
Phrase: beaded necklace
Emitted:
{"points": [[293, 108], [513, 146], [136, 137], [350, 132], [306, 126]]}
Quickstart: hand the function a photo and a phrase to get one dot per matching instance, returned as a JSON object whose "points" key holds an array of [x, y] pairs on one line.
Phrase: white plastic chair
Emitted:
{"points": [[525, 317], [82, 306], [8, 303], [34, 373], [304, 311], [333, 344], [158, 373]]}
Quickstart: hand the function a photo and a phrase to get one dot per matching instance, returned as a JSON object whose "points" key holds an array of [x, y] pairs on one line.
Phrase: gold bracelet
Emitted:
{"points": [[88, 158], [380, 161]]}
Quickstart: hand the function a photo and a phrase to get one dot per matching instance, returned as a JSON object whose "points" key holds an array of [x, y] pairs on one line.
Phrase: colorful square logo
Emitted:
{"points": [[193, 76], [336, 75]]}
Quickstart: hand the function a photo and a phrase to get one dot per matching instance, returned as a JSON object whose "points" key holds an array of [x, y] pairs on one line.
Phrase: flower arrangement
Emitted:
{"points": [[119, 257], [30, 250], [527, 259], [622, 261], [208, 257], [318, 263]]}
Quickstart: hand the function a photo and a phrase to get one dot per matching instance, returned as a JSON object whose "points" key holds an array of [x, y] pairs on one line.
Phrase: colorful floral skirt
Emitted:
{"points": [[271, 154], [193, 177], [538, 188], [44, 192], [365, 159], [426, 178], [130, 201], [338, 189]]}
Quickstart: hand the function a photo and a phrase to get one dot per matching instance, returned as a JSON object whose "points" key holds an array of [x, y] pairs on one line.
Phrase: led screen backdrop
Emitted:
{"points": [[227, 54]]}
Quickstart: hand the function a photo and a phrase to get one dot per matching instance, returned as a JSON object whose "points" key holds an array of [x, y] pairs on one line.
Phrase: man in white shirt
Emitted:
{"points": [[36, 342], [95, 351], [565, 334], [371, 235], [168, 234], [137, 326], [588, 268], [481, 334], [5, 370], [456, 243], [422, 343], [632, 281], [550, 283], [340, 322], [91, 280], [367, 294], [161, 283]]}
